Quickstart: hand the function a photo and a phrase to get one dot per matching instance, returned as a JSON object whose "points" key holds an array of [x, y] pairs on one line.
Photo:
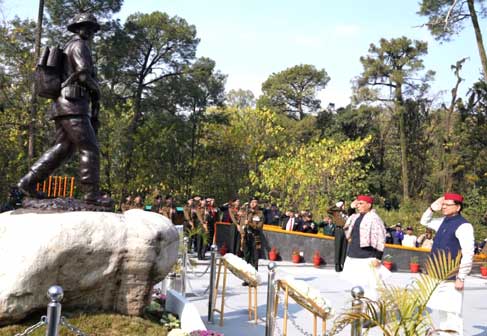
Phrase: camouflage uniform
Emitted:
{"points": [[254, 222]]}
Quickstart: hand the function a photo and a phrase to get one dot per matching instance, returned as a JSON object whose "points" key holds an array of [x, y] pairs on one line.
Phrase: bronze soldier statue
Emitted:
{"points": [[75, 113]]}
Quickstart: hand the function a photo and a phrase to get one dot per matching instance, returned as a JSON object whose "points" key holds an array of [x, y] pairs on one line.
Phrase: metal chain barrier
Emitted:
{"points": [[53, 319], [31, 329], [290, 318], [71, 327]]}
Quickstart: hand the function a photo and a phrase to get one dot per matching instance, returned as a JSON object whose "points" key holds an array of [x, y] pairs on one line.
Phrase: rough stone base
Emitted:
{"points": [[104, 261], [50, 205]]}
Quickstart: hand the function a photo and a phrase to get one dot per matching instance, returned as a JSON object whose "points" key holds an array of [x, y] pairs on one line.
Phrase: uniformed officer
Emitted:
{"points": [[200, 220], [188, 222], [254, 222], [168, 208], [339, 218], [233, 212]]}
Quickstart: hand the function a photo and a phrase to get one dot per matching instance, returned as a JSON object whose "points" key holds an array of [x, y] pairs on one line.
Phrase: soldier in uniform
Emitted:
{"points": [[75, 113], [188, 221], [138, 203], [233, 213], [157, 204], [168, 208], [339, 218], [127, 204], [201, 220], [212, 218], [254, 222]]}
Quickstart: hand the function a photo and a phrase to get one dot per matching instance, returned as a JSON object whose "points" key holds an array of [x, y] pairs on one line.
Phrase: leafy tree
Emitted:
{"points": [[241, 143], [61, 11], [158, 47], [240, 98], [309, 176], [204, 86], [392, 67], [16, 79], [447, 17], [293, 91]]}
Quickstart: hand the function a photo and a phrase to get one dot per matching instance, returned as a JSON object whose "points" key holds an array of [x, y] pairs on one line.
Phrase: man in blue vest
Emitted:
{"points": [[454, 234]]}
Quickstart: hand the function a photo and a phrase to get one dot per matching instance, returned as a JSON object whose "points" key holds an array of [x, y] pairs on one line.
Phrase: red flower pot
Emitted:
{"points": [[483, 271], [414, 268], [387, 264], [316, 261], [296, 258], [272, 256]]}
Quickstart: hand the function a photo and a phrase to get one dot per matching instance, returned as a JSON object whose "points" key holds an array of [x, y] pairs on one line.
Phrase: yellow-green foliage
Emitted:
{"points": [[309, 176], [97, 325]]}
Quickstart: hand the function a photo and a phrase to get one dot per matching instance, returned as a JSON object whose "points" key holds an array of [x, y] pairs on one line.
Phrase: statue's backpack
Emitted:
{"points": [[48, 73]]}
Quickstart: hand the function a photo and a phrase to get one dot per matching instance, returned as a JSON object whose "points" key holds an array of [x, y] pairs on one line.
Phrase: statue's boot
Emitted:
{"points": [[27, 186], [94, 196]]}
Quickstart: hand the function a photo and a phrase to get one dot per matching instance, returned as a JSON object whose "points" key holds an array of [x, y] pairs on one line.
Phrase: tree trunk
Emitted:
{"points": [[478, 37], [448, 150], [33, 101], [403, 143]]}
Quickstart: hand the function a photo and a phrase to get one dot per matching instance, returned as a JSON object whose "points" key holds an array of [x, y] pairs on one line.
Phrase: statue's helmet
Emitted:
{"points": [[83, 19]]}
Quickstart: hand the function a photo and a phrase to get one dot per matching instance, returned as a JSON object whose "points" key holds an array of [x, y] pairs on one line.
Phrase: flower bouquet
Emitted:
{"points": [[242, 269], [308, 297]]}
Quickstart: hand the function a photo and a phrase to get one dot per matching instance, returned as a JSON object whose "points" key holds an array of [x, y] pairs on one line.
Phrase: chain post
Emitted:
{"points": [[357, 307], [269, 325], [214, 248], [55, 293], [183, 268]]}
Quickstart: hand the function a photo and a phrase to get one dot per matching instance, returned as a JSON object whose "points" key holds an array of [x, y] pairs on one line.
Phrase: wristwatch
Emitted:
{"points": [[461, 279]]}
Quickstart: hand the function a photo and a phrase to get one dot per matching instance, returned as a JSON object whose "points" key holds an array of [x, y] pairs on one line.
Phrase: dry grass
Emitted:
{"points": [[96, 325]]}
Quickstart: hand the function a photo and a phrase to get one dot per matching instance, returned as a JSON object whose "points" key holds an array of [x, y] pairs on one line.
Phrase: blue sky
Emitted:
{"points": [[250, 39]]}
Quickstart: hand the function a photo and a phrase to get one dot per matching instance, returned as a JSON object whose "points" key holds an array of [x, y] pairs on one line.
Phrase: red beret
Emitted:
{"points": [[368, 199], [453, 197]]}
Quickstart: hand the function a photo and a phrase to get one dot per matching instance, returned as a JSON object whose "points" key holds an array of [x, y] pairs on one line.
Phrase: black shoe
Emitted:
{"points": [[28, 188], [245, 283], [98, 198], [338, 268]]}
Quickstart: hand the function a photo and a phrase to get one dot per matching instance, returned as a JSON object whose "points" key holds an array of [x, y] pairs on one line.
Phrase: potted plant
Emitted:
{"points": [[295, 256], [483, 269], [317, 259], [387, 262], [414, 265], [223, 249], [273, 253]]}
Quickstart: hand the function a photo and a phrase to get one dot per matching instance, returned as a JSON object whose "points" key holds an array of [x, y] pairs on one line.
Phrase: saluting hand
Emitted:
{"points": [[436, 205]]}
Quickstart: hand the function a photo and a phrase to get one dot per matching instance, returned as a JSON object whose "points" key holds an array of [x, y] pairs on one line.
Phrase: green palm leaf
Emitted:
{"points": [[402, 310]]}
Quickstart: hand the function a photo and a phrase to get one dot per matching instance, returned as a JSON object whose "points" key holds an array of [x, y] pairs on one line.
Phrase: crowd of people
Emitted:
{"points": [[360, 238]]}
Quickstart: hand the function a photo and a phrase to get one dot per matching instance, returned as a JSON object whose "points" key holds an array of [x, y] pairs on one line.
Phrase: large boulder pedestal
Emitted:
{"points": [[103, 261]]}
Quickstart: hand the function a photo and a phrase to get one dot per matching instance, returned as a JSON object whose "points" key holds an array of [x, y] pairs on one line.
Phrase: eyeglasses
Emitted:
{"points": [[450, 204]]}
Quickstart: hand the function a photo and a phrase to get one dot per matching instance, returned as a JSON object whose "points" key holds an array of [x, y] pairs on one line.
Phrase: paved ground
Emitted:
{"points": [[300, 321]]}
